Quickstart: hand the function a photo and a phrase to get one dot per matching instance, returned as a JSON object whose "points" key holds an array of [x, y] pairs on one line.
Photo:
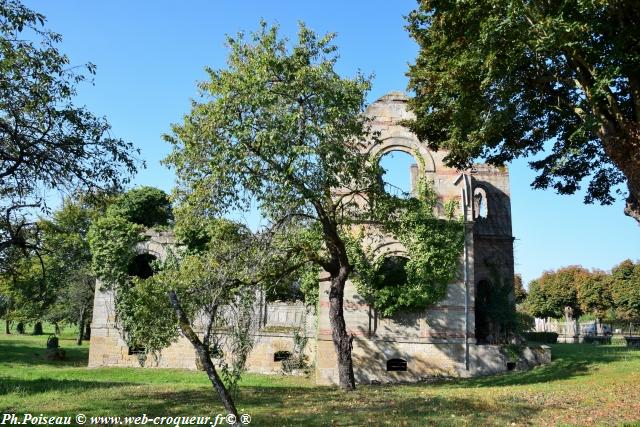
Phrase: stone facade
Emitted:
{"points": [[440, 341]]}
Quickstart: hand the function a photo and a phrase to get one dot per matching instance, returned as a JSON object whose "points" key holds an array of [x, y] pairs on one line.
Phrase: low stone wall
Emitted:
{"points": [[424, 360]]}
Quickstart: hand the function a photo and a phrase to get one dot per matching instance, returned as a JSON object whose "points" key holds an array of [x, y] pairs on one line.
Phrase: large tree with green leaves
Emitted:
{"points": [[625, 290], [512, 78], [281, 129], [46, 142], [594, 295], [555, 293]]}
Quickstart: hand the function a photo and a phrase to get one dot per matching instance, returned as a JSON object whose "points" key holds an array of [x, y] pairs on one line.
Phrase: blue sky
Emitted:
{"points": [[150, 54]]}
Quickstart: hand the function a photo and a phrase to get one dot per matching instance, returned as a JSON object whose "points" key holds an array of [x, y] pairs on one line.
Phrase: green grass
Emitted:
{"points": [[584, 385]]}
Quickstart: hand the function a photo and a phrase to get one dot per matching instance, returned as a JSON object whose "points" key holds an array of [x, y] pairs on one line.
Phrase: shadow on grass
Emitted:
{"points": [[369, 405], [568, 360], [43, 385], [18, 352]]}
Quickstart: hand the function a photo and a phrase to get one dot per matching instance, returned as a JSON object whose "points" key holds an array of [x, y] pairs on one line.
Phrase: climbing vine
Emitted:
{"points": [[138, 300], [434, 245]]}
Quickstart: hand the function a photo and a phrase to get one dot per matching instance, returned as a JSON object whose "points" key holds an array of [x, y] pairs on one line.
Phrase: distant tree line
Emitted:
{"points": [[574, 291]]}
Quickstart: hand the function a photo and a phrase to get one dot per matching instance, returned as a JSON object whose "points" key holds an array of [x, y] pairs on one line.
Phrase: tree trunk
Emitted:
{"points": [[87, 331], [342, 341], [623, 148], [7, 326], [204, 357], [80, 327], [37, 328]]}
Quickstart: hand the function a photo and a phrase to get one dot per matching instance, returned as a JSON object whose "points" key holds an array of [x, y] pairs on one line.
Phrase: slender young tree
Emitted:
{"points": [[281, 129]]}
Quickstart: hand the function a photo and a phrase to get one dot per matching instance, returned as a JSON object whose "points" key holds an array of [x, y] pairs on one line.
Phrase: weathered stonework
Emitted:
{"points": [[440, 341]]}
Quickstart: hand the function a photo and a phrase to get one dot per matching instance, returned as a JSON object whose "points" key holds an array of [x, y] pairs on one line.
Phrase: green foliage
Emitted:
{"points": [[113, 241], [143, 310], [297, 359], [519, 292], [541, 337], [145, 314], [625, 289], [46, 142], [434, 246], [279, 128], [501, 79], [556, 291], [594, 294], [147, 206]]}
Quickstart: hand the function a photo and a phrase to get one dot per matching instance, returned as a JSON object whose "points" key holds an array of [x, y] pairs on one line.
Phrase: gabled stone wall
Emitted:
{"points": [[437, 341]]}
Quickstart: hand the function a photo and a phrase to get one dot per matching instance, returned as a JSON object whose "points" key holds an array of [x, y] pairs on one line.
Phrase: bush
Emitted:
{"points": [[541, 337], [589, 339]]}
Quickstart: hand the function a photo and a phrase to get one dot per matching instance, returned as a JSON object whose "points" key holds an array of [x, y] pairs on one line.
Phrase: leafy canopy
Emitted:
{"points": [[556, 291], [625, 289], [501, 79], [147, 206], [46, 142], [278, 127]]}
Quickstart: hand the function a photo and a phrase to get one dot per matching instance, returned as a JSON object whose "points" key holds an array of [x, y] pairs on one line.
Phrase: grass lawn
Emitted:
{"points": [[584, 385]]}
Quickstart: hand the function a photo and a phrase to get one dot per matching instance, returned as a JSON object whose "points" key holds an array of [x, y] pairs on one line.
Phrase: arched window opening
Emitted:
{"points": [[399, 174], [480, 207], [396, 365], [393, 271], [483, 316], [140, 266]]}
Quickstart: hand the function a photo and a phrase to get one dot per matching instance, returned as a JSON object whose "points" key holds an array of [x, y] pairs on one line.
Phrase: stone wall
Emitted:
{"points": [[435, 342]]}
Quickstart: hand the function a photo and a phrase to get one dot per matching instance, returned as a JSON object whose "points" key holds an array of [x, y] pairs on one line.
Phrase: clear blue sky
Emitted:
{"points": [[150, 54]]}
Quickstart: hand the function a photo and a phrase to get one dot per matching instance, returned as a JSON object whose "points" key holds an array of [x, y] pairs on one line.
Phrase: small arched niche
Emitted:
{"points": [[141, 266], [480, 203], [399, 173]]}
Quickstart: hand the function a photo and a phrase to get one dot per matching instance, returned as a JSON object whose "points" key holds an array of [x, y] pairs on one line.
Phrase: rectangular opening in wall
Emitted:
{"points": [[279, 356], [136, 350], [396, 365]]}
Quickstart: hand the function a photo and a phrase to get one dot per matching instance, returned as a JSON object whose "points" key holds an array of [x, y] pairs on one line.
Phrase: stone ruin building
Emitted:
{"points": [[447, 339]]}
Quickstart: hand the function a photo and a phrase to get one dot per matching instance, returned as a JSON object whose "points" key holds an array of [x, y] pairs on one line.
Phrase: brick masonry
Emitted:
{"points": [[433, 342]]}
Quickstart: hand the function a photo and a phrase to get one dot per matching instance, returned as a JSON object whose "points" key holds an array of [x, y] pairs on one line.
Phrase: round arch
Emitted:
{"points": [[410, 146]]}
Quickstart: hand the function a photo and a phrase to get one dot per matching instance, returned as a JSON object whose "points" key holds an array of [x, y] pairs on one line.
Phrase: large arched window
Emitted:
{"points": [[400, 173]]}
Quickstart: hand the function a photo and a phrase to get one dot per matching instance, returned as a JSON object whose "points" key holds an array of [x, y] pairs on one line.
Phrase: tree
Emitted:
{"points": [[555, 293], [536, 302], [46, 143], [215, 290], [207, 282], [65, 238], [280, 128], [519, 292], [144, 205], [509, 78], [625, 290], [594, 294]]}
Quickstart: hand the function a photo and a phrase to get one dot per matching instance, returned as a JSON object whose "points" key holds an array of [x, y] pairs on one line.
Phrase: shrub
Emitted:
{"points": [[541, 337], [597, 340]]}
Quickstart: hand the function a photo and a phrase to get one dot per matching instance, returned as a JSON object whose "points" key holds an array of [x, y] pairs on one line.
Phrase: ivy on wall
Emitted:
{"points": [[434, 245], [138, 297]]}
